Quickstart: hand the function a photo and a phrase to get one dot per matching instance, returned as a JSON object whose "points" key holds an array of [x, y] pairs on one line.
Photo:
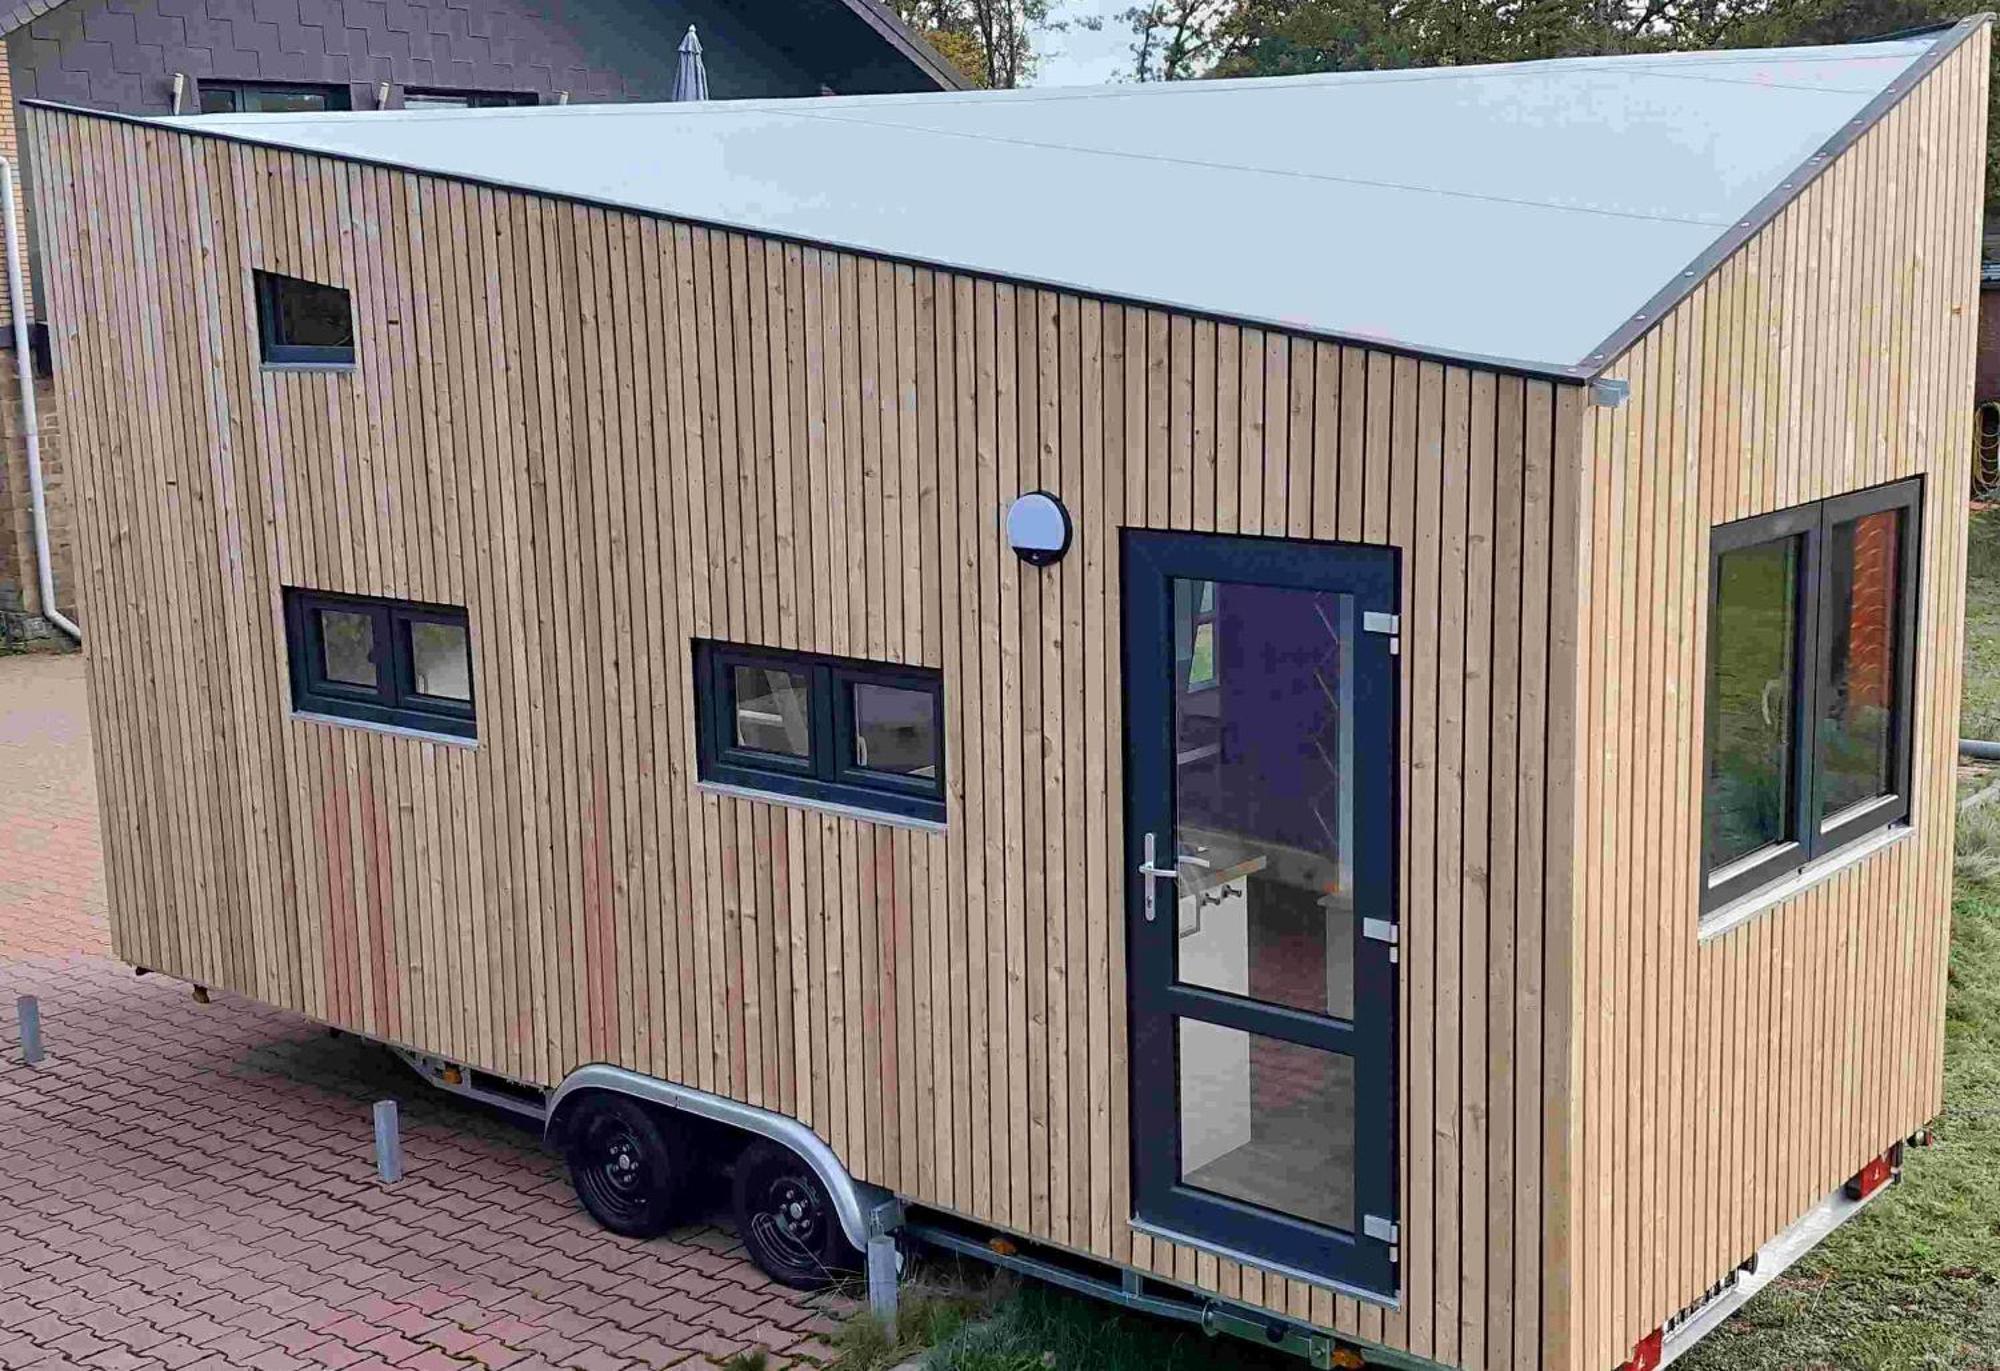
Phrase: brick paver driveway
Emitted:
{"points": [[185, 1185]]}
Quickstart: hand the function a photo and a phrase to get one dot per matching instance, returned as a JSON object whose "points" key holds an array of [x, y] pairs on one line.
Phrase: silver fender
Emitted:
{"points": [[865, 1210]]}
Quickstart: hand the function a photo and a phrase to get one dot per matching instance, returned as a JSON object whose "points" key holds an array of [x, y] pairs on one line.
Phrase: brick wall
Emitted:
{"points": [[10, 148], [1872, 611], [1986, 378], [20, 598]]}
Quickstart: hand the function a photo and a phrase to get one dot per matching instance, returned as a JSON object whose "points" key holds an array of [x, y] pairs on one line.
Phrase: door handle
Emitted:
{"points": [[1150, 873]]}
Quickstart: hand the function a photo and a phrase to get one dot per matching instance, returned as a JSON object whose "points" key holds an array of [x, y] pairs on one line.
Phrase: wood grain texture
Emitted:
{"points": [[1726, 1085], [607, 434]]}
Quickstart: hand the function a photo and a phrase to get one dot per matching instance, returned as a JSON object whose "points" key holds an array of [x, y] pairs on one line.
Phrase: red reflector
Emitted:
{"points": [[1646, 1356], [1871, 1178]]}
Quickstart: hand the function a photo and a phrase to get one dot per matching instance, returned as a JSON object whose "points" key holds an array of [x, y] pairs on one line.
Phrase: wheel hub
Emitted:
{"points": [[797, 1215]]}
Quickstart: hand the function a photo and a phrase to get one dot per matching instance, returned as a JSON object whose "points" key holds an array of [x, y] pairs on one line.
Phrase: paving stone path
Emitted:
{"points": [[192, 1186]]}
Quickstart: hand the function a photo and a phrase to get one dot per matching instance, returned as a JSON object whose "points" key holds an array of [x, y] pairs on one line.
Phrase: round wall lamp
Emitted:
{"points": [[1038, 528]]}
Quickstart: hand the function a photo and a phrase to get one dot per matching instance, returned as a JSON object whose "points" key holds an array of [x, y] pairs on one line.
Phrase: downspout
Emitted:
{"points": [[24, 369]]}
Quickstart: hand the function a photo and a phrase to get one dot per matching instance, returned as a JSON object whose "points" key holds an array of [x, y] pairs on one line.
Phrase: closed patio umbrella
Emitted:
{"points": [[691, 80]]}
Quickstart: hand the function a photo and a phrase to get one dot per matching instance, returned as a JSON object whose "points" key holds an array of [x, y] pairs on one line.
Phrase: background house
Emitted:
{"points": [[156, 56]]}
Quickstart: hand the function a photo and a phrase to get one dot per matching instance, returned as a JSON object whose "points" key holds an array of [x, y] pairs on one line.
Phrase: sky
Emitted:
{"points": [[1079, 57]]}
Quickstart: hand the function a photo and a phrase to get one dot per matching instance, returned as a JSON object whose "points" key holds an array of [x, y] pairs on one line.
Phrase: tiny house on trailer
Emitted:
{"points": [[1329, 702]]}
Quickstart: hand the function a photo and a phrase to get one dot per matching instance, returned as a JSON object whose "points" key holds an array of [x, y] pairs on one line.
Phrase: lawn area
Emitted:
{"points": [[1912, 1285], [1980, 715]]}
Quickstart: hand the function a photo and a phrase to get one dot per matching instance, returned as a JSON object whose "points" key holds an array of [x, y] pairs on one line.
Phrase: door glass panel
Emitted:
{"points": [[1267, 1122], [771, 711], [1750, 699], [1855, 735], [1264, 792], [347, 642]]}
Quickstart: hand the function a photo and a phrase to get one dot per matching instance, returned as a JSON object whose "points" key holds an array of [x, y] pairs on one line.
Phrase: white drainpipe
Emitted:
{"points": [[24, 368]]}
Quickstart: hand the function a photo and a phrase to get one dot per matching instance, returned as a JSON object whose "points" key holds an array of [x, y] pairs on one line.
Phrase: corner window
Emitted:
{"points": [[1810, 647], [863, 734], [263, 97], [381, 661], [304, 323]]}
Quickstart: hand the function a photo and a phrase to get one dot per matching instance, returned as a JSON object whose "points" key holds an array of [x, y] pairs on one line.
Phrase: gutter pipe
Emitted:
{"points": [[1979, 749], [24, 369]]}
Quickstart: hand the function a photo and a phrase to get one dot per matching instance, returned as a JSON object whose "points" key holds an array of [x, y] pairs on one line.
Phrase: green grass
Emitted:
{"points": [[1979, 716], [1005, 1327]]}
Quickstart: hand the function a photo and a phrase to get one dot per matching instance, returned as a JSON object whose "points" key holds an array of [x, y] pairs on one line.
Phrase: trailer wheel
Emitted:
{"points": [[787, 1220], [628, 1164]]}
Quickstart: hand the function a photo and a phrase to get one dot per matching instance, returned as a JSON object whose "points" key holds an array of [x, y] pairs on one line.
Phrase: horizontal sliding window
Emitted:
{"points": [[1810, 645], [379, 661], [270, 97], [868, 735], [467, 99]]}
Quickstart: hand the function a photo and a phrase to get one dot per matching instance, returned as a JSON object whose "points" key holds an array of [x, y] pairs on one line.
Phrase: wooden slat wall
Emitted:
{"points": [[605, 434], [1726, 1086]]}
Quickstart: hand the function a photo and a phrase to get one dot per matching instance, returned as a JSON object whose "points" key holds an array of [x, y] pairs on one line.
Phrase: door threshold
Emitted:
{"points": [[1266, 1265]]}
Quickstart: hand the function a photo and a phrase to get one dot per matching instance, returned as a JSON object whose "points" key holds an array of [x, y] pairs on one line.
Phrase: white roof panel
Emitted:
{"points": [[1517, 213]]}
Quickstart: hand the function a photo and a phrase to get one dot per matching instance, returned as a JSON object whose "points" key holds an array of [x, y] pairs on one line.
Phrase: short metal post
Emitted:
{"points": [[29, 1010], [882, 1280], [388, 1142]]}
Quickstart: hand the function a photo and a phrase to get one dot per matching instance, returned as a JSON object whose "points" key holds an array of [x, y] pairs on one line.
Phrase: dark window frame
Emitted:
{"points": [[394, 700], [830, 773], [1811, 838], [339, 98], [272, 349], [475, 99]]}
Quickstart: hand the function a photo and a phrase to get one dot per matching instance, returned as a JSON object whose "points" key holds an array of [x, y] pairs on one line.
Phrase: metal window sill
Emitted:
{"points": [[345, 367], [307, 716], [845, 811], [1733, 916]]}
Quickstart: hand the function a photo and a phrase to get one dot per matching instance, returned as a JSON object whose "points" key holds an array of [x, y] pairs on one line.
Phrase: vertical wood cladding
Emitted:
{"points": [[607, 434], [1726, 1085]]}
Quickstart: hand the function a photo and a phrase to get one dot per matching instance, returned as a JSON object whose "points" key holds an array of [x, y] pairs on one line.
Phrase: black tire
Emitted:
{"points": [[787, 1220], [630, 1164]]}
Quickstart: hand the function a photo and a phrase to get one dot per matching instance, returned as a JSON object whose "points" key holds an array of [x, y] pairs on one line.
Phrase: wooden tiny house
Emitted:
{"points": [[1433, 819]]}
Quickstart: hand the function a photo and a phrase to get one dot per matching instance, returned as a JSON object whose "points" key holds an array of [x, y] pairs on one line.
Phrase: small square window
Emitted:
{"points": [[772, 710], [347, 647], [895, 729], [862, 735], [381, 661], [304, 322], [440, 660]]}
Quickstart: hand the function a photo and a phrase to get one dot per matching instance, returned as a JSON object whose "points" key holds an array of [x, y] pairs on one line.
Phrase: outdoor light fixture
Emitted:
{"points": [[1038, 528]]}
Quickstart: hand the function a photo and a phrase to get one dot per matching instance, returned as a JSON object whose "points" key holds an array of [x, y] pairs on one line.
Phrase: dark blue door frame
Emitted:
{"points": [[1363, 1262]]}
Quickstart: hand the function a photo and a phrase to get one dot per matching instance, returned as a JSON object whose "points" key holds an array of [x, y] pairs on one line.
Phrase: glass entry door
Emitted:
{"points": [[1261, 725]]}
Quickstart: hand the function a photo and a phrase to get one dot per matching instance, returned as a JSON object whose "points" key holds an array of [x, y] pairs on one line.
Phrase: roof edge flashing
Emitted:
{"points": [[1559, 373], [1794, 183], [912, 45]]}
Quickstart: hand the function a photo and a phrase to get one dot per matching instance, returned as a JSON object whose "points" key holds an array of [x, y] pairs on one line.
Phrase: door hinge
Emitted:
{"points": [[1391, 625], [1384, 1230], [1383, 931]]}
